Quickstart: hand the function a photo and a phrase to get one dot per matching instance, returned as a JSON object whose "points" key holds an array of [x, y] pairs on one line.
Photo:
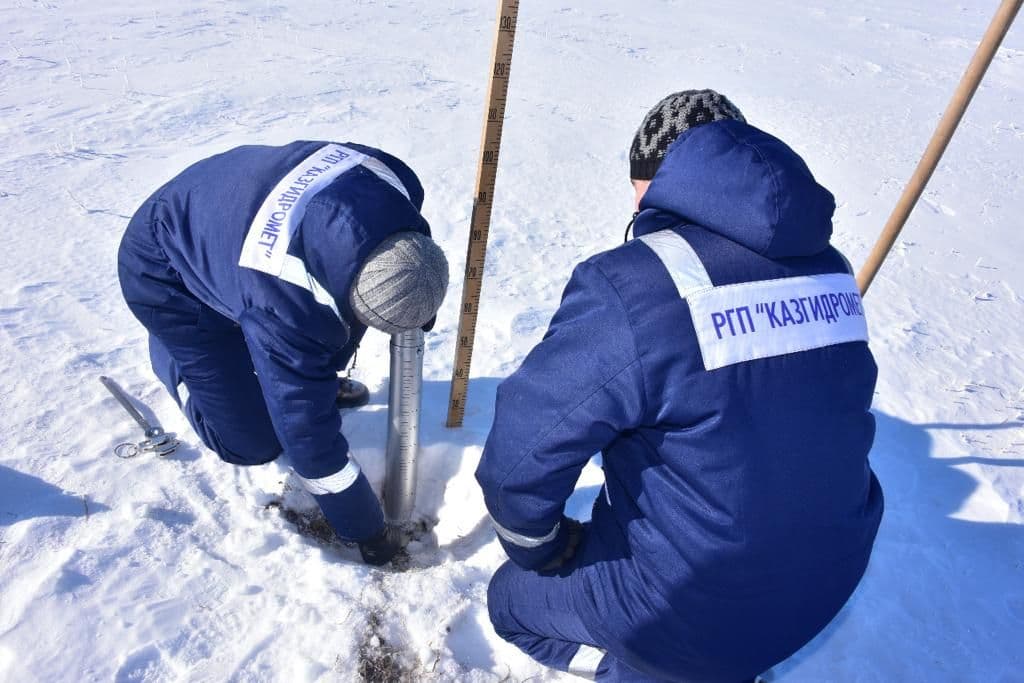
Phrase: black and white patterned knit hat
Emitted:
{"points": [[676, 113]]}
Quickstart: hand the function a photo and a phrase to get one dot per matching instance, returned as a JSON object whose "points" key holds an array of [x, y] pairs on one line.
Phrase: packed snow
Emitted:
{"points": [[185, 568]]}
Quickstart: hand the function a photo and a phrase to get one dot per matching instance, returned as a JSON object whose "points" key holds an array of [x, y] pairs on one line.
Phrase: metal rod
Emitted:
{"points": [[940, 139], [126, 403], [404, 400]]}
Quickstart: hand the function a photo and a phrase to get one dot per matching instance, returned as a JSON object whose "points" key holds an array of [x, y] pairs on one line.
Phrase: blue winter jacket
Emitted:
{"points": [[719, 363], [224, 226]]}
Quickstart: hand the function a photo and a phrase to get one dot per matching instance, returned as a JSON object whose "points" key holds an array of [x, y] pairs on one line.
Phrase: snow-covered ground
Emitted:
{"points": [[177, 569]]}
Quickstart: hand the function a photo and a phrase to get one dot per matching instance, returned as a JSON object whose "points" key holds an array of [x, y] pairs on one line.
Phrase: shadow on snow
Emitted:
{"points": [[954, 581], [23, 496]]}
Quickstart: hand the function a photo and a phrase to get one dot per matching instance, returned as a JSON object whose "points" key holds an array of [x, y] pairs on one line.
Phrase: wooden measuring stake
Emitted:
{"points": [[955, 111], [483, 201]]}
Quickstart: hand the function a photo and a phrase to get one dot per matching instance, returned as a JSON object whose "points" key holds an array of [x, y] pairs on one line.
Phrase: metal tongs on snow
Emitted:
{"points": [[157, 440]]}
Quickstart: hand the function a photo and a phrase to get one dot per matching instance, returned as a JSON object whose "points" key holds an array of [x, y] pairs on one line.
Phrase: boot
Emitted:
{"points": [[351, 394]]}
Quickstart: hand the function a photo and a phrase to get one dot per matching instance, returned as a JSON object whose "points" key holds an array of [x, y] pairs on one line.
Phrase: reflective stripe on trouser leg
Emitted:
{"points": [[183, 396], [537, 613], [586, 662]]}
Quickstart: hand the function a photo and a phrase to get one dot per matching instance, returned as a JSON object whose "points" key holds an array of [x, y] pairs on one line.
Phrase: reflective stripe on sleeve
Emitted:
{"points": [[294, 271], [585, 662], [681, 261], [332, 483], [525, 541]]}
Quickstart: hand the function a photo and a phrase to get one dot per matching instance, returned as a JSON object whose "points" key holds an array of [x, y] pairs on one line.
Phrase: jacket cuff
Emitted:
{"points": [[533, 552], [354, 513]]}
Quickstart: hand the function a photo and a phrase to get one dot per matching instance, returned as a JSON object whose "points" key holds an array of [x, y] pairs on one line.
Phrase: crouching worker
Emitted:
{"points": [[257, 272], [719, 362]]}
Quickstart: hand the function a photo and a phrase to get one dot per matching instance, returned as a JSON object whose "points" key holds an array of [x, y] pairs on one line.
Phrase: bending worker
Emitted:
{"points": [[256, 273], [719, 362]]}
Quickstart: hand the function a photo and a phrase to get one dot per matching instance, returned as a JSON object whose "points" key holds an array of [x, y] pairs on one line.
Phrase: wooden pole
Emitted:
{"points": [[940, 139], [483, 201]]}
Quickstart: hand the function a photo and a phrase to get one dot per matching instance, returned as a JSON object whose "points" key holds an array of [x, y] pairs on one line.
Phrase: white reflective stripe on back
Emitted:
{"points": [[585, 662], [681, 261], [384, 173], [332, 483], [293, 270], [525, 541], [279, 216], [752, 320]]}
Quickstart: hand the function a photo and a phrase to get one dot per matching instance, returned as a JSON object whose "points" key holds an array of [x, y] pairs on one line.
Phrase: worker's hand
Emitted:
{"points": [[574, 534]]}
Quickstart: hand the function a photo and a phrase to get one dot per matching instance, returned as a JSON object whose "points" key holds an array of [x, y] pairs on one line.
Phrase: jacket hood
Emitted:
{"points": [[339, 234], [744, 184]]}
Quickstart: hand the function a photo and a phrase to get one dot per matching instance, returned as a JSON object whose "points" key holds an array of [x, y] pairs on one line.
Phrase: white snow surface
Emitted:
{"points": [[174, 569]]}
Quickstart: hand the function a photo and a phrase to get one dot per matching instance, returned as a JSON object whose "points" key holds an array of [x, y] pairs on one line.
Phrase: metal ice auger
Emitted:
{"points": [[404, 399], [156, 439]]}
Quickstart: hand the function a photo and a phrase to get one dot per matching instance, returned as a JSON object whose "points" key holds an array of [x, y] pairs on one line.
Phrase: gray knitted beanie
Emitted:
{"points": [[402, 283], [676, 113]]}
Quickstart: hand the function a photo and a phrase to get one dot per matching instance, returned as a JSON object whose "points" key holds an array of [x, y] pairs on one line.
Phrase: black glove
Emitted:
{"points": [[574, 534], [383, 547]]}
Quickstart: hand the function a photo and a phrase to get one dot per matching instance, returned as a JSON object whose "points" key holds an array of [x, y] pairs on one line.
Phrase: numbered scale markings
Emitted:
{"points": [[497, 94]]}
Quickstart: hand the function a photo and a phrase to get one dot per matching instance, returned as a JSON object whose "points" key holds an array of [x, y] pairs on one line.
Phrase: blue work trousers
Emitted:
{"points": [[194, 347]]}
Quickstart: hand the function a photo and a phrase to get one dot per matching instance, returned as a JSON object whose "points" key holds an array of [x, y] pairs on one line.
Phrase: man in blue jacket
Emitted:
{"points": [[257, 272], [719, 363]]}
